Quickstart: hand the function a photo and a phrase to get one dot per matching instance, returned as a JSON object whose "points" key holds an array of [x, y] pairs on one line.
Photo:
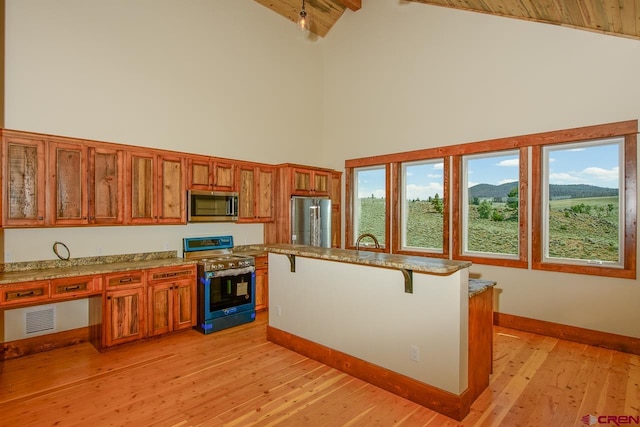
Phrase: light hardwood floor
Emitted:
{"points": [[237, 378]]}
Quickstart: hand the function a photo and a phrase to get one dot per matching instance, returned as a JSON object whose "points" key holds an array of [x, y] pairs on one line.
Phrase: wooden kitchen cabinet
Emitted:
{"points": [[106, 185], [141, 188], [316, 182], [171, 299], [24, 293], [68, 183], [124, 313], [255, 193], [24, 180], [155, 189], [208, 173], [75, 287], [310, 182], [262, 282]]}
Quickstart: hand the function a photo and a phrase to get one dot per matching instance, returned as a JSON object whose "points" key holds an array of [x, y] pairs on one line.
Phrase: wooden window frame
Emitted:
{"points": [[522, 260], [350, 168], [396, 234], [628, 269]]}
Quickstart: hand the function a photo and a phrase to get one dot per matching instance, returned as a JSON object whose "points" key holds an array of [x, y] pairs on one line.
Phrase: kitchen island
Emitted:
{"points": [[399, 322]]}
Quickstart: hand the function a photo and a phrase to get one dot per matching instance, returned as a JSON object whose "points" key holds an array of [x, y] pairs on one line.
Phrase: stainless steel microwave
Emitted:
{"points": [[211, 206]]}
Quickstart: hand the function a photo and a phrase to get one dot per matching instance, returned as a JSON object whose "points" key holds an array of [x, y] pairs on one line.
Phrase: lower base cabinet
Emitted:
{"points": [[171, 300], [124, 316], [151, 302]]}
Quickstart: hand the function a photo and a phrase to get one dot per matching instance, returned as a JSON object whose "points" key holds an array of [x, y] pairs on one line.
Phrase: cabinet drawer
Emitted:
{"points": [[24, 293], [171, 273], [129, 279], [75, 286], [262, 262]]}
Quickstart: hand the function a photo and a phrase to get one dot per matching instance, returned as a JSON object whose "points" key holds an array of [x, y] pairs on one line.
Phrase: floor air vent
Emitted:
{"points": [[41, 320]]}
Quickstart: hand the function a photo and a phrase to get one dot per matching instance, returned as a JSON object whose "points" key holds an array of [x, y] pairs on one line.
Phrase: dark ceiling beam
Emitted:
{"points": [[352, 4]]}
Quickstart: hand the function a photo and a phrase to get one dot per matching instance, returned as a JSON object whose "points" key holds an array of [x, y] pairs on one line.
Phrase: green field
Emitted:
{"points": [[584, 228]]}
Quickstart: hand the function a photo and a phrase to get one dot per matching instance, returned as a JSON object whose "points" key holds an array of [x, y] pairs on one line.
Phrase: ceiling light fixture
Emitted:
{"points": [[303, 19]]}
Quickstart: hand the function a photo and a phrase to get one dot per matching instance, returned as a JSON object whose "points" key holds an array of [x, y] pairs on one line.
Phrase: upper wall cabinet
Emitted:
{"points": [[106, 185], [255, 193], [23, 177], [207, 173], [155, 189], [310, 182], [68, 183]]}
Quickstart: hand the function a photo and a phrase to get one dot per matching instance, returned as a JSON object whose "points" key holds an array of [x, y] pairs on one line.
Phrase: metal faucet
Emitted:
{"points": [[360, 237]]}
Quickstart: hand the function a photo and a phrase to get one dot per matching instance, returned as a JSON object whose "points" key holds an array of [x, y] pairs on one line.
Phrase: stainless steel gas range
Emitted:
{"points": [[226, 283]]}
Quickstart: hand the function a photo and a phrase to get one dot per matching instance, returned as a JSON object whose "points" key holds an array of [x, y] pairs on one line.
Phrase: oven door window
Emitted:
{"points": [[229, 291]]}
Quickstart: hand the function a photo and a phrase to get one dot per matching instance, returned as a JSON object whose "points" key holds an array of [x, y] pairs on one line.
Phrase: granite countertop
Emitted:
{"points": [[478, 286], [375, 259], [56, 269]]}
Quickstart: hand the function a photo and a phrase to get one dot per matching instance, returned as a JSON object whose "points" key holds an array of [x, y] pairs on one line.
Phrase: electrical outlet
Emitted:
{"points": [[414, 353], [99, 251], [278, 310]]}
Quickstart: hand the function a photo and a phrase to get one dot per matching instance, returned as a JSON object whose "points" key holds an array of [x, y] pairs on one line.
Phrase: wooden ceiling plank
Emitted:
{"points": [[613, 11], [516, 9], [629, 17], [529, 6], [636, 15], [570, 13]]}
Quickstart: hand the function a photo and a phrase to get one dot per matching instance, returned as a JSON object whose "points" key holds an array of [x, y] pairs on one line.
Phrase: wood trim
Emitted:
{"points": [[570, 333], [456, 203], [18, 348], [501, 144], [630, 202], [536, 206], [348, 209], [449, 404], [523, 208]]}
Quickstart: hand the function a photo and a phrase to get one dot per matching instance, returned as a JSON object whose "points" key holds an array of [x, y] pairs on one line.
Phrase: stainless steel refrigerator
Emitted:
{"points": [[311, 221]]}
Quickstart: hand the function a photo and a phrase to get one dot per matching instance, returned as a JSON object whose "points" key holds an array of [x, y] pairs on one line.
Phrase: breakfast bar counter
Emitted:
{"points": [[350, 310]]}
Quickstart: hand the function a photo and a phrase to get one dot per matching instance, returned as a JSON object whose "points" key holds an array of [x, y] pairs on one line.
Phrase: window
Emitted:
{"points": [[578, 187], [490, 205], [582, 205], [422, 206], [370, 204]]}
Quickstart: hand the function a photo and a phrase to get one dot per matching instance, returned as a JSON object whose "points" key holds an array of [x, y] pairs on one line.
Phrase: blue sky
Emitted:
{"points": [[593, 165]]}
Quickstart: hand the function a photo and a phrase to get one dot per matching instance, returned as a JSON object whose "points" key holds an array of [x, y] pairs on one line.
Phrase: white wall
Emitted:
{"points": [[227, 78], [401, 76], [223, 78]]}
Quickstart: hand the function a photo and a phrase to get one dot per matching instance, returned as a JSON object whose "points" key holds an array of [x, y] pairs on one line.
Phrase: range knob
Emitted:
{"points": [[220, 266], [231, 264]]}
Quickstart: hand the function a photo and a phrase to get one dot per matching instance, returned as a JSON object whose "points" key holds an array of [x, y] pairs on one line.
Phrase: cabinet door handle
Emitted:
{"points": [[25, 294], [71, 288], [126, 280], [40, 218]]}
